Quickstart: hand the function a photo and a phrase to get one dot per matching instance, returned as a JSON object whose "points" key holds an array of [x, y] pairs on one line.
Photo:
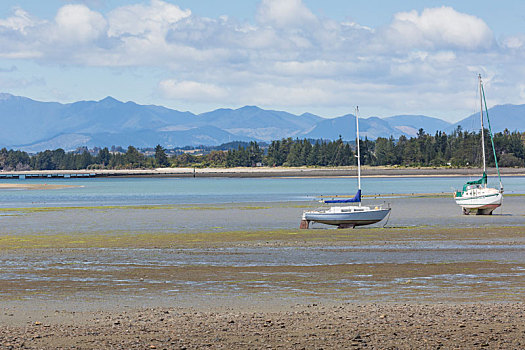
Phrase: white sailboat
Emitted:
{"points": [[476, 197], [346, 216]]}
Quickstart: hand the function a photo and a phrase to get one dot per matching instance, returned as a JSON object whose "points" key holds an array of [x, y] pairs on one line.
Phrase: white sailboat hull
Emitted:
{"points": [[346, 216], [482, 201]]}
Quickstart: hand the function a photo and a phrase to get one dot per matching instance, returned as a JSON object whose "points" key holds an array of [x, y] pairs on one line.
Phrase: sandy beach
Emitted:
{"points": [[314, 326], [351, 171]]}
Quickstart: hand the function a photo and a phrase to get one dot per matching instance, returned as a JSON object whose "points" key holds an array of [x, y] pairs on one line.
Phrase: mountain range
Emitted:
{"points": [[34, 126]]}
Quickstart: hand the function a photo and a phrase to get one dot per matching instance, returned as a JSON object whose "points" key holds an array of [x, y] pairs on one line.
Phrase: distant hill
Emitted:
{"points": [[252, 121], [206, 135], [25, 120], [35, 126], [410, 124], [502, 117], [345, 127]]}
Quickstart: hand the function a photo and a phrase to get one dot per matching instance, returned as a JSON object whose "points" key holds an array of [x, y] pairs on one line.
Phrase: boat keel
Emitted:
{"points": [[485, 211], [346, 226]]}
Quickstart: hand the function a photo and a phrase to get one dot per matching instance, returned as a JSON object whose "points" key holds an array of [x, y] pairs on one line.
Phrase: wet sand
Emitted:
{"points": [[243, 276]]}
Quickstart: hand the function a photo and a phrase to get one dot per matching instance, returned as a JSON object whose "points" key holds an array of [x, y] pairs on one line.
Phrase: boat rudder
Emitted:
{"points": [[305, 224]]}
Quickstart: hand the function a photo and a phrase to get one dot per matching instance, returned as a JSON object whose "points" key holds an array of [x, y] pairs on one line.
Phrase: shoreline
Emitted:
{"points": [[295, 172]]}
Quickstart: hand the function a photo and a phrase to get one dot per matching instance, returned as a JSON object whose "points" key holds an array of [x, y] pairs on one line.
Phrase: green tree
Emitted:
{"points": [[103, 157], [134, 159], [43, 161], [255, 154], [313, 156], [294, 156], [216, 159], [84, 160], [161, 158], [385, 151]]}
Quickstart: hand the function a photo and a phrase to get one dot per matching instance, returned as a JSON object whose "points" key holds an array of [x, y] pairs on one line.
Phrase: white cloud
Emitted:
{"points": [[354, 25], [284, 13], [191, 90], [152, 21], [19, 21], [443, 57], [514, 42], [295, 94], [441, 27], [522, 91], [313, 68], [77, 23]]}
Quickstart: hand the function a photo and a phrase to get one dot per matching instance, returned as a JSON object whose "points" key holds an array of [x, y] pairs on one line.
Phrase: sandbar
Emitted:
{"points": [[28, 186]]}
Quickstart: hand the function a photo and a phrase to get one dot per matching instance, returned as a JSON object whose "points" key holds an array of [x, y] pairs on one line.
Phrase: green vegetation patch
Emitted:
{"points": [[202, 208], [101, 207], [284, 237]]}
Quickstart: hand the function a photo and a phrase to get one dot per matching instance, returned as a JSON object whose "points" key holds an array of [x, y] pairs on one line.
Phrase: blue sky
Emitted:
{"points": [[323, 57]]}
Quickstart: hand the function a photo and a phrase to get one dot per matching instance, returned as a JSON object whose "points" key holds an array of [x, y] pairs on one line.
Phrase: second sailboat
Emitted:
{"points": [[476, 196]]}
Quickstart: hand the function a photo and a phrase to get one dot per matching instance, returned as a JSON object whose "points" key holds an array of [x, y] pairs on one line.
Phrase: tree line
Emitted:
{"points": [[458, 149]]}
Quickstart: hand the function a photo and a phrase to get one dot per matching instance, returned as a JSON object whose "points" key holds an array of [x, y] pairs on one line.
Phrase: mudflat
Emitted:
{"points": [[243, 276]]}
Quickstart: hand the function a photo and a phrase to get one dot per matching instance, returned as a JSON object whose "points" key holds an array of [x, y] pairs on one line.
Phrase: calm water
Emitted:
{"points": [[129, 191]]}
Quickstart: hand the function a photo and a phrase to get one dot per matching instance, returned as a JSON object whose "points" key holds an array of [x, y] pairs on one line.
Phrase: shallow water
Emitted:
{"points": [[463, 273], [113, 259], [140, 191]]}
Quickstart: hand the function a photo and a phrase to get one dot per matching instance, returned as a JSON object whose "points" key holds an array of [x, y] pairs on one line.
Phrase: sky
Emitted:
{"points": [[324, 57]]}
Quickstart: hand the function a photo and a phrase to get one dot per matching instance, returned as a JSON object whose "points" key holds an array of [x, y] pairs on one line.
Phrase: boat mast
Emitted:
{"points": [[482, 126], [358, 153], [492, 140]]}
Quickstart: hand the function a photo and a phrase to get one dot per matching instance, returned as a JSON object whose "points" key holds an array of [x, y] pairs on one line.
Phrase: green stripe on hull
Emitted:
{"points": [[480, 197]]}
